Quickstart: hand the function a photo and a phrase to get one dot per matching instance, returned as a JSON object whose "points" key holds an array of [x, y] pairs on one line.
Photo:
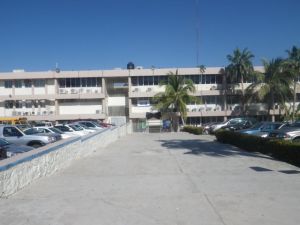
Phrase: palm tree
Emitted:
{"points": [[272, 86], [242, 67], [175, 97], [293, 66]]}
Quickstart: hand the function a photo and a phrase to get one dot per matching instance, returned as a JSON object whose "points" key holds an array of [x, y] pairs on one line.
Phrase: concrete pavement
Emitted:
{"points": [[167, 179]]}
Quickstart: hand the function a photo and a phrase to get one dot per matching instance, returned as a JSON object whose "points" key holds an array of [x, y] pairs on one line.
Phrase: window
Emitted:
{"points": [[141, 81], [18, 104], [40, 83], [27, 83], [8, 84], [18, 83], [134, 81], [9, 104], [156, 80], [11, 132]]}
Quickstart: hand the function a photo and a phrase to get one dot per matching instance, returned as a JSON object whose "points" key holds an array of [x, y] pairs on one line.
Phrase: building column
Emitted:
{"points": [[32, 87], [56, 86], [56, 107], [46, 87]]}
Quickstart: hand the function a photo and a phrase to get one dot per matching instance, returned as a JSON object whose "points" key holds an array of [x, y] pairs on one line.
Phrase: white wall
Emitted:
{"points": [[50, 86], [116, 101], [82, 107], [3, 90]]}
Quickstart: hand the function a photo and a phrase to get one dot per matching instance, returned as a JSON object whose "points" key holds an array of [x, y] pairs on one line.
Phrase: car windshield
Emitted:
{"points": [[76, 127], [63, 128], [3, 142], [55, 130], [89, 124], [257, 126], [296, 124], [82, 125], [31, 131]]}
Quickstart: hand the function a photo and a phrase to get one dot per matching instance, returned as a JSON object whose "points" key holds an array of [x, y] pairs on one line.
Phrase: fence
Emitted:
{"points": [[21, 170]]}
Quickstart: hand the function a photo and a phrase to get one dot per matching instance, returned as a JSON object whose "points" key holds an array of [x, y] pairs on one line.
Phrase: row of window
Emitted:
{"points": [[197, 79], [24, 83], [80, 82], [27, 104]]}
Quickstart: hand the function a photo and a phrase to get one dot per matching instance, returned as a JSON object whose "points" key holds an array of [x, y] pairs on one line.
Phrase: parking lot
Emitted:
{"points": [[162, 178]]}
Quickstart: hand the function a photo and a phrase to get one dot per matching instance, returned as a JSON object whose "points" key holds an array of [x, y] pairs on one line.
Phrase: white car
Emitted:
{"points": [[64, 135], [75, 126], [68, 129], [91, 125]]}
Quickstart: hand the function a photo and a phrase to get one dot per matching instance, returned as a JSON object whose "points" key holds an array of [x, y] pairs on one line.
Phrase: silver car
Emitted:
{"points": [[290, 133], [14, 135]]}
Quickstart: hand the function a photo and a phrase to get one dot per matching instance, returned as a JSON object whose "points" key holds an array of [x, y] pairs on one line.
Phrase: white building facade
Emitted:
{"points": [[110, 94]]}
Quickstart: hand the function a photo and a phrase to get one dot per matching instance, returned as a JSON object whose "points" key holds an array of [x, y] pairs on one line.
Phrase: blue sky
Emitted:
{"points": [[105, 34]]}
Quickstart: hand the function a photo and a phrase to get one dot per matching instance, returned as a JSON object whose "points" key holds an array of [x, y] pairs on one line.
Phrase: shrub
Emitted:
{"points": [[193, 130], [279, 149]]}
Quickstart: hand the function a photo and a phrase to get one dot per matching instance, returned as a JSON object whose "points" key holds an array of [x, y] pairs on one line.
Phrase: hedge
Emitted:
{"points": [[282, 150], [193, 130]]}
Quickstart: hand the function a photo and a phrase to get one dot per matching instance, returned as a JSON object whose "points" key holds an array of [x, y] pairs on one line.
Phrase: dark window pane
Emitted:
{"points": [[8, 84], [134, 81], [141, 81]]}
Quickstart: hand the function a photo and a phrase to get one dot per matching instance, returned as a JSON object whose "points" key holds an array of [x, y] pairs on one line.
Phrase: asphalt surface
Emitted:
{"points": [[167, 179]]}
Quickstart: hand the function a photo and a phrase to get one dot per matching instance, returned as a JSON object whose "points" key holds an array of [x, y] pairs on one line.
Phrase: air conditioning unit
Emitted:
{"points": [[149, 89], [74, 91], [96, 91], [88, 90], [135, 90], [213, 88], [97, 111], [62, 91]]}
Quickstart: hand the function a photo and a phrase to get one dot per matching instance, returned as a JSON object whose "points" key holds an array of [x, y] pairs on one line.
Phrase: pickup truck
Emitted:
{"points": [[14, 135]]}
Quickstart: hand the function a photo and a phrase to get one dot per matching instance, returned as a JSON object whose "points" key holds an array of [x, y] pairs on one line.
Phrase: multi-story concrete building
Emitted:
{"points": [[113, 94]]}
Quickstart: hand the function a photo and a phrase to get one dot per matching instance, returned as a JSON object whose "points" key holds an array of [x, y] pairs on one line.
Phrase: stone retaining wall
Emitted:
{"points": [[19, 171]]}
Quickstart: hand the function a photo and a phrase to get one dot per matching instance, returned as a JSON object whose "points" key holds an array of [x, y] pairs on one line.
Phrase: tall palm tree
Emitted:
{"points": [[272, 86], [175, 97], [293, 66], [242, 67]]}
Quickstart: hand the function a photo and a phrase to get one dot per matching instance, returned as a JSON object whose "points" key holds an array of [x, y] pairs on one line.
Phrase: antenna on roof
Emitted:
{"points": [[57, 70]]}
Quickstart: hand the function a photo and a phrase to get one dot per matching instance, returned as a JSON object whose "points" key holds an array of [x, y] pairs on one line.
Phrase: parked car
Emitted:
{"points": [[89, 129], [8, 149], [55, 131], [291, 133], [14, 135], [68, 130], [90, 124], [42, 132], [80, 128], [262, 129], [234, 124]]}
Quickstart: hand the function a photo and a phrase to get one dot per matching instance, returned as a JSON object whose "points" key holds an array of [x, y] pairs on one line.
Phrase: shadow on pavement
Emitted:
{"points": [[209, 148]]}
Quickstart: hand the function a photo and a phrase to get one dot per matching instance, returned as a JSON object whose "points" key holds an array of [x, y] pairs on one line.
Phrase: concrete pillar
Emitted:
{"points": [[56, 107], [32, 87], [56, 86]]}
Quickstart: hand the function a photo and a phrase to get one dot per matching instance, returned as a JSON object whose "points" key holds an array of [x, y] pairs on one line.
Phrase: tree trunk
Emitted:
{"points": [[294, 100], [243, 96]]}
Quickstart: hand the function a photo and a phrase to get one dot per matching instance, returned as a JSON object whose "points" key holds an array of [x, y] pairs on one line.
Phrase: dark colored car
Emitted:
{"points": [[239, 125], [8, 149], [262, 129]]}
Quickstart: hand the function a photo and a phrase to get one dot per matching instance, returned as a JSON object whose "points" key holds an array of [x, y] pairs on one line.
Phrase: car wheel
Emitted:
{"points": [[35, 145]]}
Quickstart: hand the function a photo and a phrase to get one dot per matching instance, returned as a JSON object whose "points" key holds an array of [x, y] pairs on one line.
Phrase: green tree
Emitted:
{"points": [[241, 68], [292, 65], [272, 86], [175, 97]]}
